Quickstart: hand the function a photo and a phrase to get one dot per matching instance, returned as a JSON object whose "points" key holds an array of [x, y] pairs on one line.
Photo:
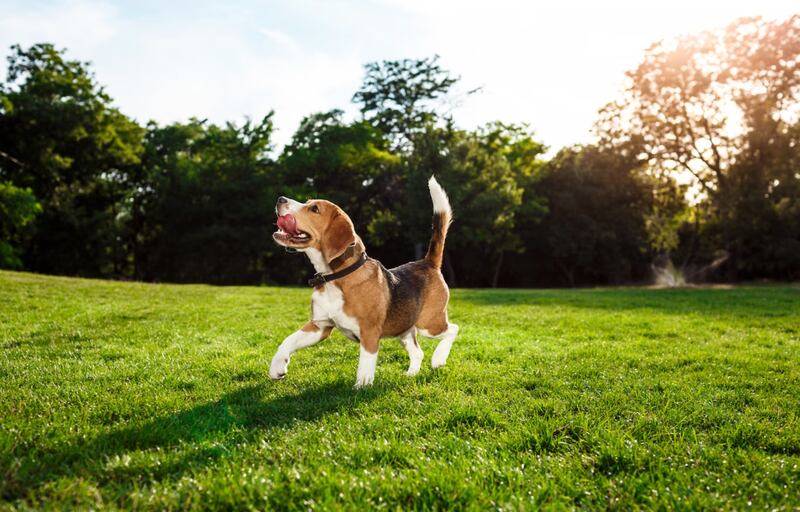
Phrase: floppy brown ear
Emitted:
{"points": [[338, 237]]}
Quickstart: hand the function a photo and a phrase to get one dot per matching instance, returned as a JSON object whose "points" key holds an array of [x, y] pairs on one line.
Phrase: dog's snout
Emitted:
{"points": [[282, 205]]}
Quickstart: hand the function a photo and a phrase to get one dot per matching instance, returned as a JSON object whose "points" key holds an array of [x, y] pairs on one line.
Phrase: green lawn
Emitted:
{"points": [[158, 396]]}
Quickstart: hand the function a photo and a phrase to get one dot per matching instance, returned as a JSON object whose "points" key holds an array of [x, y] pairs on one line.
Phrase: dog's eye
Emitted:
{"points": [[314, 208]]}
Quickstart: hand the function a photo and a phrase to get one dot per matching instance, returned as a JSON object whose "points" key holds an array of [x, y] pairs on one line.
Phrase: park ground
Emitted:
{"points": [[150, 396]]}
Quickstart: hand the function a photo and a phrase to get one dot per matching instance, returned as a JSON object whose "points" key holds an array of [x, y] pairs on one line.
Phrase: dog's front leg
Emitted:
{"points": [[367, 359], [310, 334]]}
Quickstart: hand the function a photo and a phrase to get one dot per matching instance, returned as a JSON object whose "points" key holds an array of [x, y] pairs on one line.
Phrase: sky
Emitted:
{"points": [[549, 64]]}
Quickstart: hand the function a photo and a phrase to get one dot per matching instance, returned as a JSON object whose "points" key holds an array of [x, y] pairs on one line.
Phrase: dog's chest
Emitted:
{"points": [[328, 304]]}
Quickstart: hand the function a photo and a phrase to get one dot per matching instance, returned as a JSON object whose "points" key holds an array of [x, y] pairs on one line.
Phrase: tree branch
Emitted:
{"points": [[12, 159]]}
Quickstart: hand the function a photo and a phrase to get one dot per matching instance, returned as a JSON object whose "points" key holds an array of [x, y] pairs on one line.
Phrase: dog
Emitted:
{"points": [[358, 295]]}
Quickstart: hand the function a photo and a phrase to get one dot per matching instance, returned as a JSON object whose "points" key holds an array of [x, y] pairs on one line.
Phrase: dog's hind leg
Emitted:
{"points": [[432, 321], [415, 354], [310, 334], [447, 335]]}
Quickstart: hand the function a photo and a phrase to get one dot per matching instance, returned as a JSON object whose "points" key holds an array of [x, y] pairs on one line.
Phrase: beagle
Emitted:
{"points": [[358, 295]]}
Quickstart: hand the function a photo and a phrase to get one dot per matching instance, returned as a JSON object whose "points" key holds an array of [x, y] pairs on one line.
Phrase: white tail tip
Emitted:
{"points": [[439, 197]]}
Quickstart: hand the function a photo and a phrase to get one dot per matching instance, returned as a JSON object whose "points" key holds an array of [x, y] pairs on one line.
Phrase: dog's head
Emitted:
{"points": [[316, 224]]}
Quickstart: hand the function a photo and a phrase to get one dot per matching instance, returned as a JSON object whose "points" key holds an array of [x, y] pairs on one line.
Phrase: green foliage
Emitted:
{"points": [[204, 203], [59, 122], [761, 217], [399, 97], [669, 212], [142, 396], [73, 150], [18, 209], [594, 230]]}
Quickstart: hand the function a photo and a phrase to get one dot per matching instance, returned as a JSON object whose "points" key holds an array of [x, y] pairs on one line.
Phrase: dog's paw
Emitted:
{"points": [[412, 371], [438, 360], [363, 381], [439, 357], [279, 367]]}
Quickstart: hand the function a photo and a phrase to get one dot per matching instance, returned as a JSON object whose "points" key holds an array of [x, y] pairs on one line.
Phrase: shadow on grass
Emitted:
{"points": [[191, 432]]}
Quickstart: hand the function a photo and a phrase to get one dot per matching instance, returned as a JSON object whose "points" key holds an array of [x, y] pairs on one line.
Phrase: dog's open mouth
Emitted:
{"points": [[288, 231]]}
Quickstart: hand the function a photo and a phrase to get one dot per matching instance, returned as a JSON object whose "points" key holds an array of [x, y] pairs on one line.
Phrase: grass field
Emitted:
{"points": [[158, 397]]}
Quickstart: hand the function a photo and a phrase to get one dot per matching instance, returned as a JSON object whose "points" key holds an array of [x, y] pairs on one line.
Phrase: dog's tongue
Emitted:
{"points": [[288, 224]]}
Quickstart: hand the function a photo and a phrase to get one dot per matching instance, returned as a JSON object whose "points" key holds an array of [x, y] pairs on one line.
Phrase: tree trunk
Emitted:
{"points": [[115, 241], [496, 276], [136, 229], [569, 273]]}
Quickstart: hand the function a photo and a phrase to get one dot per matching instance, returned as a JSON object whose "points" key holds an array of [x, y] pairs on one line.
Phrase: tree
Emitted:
{"points": [[73, 151], [594, 230], [205, 203], [710, 106], [399, 97], [762, 228]]}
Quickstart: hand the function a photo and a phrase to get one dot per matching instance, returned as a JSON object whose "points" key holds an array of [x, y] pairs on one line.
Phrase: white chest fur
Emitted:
{"points": [[328, 305]]}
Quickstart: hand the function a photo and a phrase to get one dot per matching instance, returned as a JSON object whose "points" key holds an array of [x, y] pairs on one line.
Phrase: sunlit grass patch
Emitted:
{"points": [[157, 396]]}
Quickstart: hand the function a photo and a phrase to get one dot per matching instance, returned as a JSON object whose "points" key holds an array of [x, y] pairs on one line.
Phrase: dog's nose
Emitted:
{"points": [[282, 200]]}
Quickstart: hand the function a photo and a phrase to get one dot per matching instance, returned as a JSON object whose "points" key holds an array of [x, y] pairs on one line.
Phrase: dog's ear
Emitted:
{"points": [[338, 237]]}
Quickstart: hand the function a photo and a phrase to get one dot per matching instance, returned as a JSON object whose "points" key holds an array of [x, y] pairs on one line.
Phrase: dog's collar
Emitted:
{"points": [[320, 279]]}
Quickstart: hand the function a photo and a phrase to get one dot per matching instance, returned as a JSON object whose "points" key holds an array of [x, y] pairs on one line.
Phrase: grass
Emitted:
{"points": [[126, 395]]}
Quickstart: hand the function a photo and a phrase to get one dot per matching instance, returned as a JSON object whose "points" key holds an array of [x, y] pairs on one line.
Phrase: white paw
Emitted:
{"points": [[363, 381], [439, 357], [367, 361], [414, 361], [279, 367]]}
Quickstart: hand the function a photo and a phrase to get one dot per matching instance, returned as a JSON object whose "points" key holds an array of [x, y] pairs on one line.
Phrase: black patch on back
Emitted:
{"points": [[406, 286]]}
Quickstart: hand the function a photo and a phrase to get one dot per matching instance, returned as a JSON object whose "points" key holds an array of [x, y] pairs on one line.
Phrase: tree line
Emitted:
{"points": [[696, 167]]}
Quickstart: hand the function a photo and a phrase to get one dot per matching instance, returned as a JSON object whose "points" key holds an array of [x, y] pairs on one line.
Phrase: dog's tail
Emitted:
{"points": [[442, 216]]}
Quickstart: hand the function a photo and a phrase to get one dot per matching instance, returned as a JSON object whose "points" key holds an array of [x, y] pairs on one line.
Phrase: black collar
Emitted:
{"points": [[320, 279]]}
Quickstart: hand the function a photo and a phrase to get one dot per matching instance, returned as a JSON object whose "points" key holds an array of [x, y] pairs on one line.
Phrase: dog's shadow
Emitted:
{"points": [[192, 438]]}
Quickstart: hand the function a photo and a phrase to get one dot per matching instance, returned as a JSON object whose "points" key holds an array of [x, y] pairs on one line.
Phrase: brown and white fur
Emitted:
{"points": [[372, 302]]}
